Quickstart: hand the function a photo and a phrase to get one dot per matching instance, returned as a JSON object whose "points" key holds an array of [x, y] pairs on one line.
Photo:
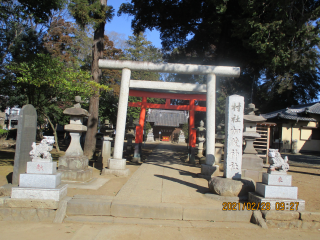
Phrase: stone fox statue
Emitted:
{"points": [[277, 162], [41, 151]]}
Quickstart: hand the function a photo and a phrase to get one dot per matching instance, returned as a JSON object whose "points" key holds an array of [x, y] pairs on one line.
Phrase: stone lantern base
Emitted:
{"points": [[75, 168], [252, 167]]}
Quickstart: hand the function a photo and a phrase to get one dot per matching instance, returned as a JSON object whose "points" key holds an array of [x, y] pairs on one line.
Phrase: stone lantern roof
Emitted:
{"points": [[76, 110]]}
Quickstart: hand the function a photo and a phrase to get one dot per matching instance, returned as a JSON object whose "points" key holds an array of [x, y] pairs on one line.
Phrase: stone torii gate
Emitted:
{"points": [[117, 165]]}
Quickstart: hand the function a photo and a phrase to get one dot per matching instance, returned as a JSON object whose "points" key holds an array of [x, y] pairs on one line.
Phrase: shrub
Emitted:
{"points": [[3, 133]]}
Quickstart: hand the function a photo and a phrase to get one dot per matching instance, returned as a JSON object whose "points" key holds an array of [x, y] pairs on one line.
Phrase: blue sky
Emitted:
{"points": [[122, 24]]}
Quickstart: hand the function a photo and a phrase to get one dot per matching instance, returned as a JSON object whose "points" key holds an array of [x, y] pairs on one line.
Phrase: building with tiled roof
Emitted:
{"points": [[297, 127], [166, 124]]}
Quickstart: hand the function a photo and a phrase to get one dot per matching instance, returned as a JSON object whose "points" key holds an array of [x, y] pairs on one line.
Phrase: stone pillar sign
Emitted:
{"points": [[233, 144], [26, 135]]}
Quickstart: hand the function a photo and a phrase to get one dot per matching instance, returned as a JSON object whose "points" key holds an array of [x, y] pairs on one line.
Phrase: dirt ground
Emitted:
{"points": [[76, 231], [305, 176]]}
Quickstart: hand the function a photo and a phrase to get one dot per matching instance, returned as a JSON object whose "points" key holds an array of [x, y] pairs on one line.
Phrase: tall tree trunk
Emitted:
{"points": [[97, 53]]}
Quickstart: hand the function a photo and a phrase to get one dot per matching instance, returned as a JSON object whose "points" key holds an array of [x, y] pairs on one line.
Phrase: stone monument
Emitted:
{"points": [[26, 135], [182, 138], [252, 164], [41, 180], [74, 165], [275, 188], [234, 128], [150, 136], [232, 184], [201, 138]]}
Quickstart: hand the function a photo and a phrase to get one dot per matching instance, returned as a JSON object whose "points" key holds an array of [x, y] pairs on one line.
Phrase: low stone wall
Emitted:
{"points": [[53, 211], [285, 219], [27, 214], [27, 210]]}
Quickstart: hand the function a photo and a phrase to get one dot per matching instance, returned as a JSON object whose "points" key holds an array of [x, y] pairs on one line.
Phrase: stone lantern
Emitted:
{"points": [[201, 132], [252, 164], [107, 131], [74, 165], [130, 127]]}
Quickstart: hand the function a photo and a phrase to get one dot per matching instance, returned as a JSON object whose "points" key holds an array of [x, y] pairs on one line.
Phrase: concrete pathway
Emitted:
{"points": [[164, 178]]}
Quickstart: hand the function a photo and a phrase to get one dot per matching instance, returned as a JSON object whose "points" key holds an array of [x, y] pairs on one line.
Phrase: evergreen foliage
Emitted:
{"points": [[274, 42], [90, 12], [140, 49]]}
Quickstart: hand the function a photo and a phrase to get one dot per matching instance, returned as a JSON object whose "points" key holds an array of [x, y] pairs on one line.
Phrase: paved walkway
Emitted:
{"points": [[164, 178]]}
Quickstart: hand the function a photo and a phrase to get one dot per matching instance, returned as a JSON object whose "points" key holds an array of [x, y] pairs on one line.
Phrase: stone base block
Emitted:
{"points": [[34, 180], [40, 193], [282, 192], [150, 138], [42, 167], [310, 216], [281, 215], [253, 174], [117, 164], [76, 176], [252, 162], [93, 207], [76, 163], [277, 180], [277, 203], [210, 213], [119, 173], [207, 171], [31, 203], [146, 210], [27, 214]]}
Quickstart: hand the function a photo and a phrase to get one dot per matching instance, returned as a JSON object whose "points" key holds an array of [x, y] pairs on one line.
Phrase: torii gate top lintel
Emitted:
{"points": [[171, 67]]}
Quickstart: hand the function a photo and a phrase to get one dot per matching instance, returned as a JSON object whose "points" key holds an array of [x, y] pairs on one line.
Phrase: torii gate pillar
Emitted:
{"points": [[209, 168], [117, 165]]}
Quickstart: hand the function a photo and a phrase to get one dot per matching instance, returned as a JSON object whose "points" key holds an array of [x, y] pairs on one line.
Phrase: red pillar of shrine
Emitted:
{"points": [[139, 129], [139, 133], [192, 132], [192, 137]]}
